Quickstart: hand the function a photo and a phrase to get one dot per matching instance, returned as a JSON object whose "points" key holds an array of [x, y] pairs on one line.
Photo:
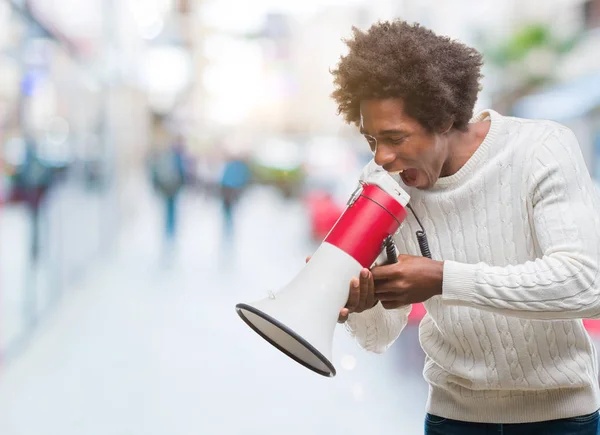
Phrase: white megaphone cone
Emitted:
{"points": [[300, 319]]}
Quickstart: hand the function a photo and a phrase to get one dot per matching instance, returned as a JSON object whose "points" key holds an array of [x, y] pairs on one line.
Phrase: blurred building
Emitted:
{"points": [[71, 98], [571, 95]]}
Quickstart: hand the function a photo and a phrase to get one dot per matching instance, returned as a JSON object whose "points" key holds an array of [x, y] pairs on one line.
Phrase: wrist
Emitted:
{"points": [[439, 277]]}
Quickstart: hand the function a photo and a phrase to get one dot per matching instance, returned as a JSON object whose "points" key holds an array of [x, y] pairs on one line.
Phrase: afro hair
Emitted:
{"points": [[436, 78]]}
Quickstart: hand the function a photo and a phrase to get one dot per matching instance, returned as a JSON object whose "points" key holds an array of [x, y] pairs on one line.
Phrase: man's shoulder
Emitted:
{"points": [[533, 128], [522, 136]]}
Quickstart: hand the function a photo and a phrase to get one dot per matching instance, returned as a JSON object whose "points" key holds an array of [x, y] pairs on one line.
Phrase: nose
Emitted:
{"points": [[383, 155]]}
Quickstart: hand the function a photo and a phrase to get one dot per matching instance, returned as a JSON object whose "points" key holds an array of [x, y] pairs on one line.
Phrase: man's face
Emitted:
{"points": [[401, 143]]}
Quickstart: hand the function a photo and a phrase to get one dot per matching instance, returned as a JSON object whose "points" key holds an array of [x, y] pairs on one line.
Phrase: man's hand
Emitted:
{"points": [[361, 296], [411, 280]]}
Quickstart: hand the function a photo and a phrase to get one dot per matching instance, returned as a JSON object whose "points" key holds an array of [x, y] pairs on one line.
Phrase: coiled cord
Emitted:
{"points": [[421, 237], [423, 244], [390, 246]]}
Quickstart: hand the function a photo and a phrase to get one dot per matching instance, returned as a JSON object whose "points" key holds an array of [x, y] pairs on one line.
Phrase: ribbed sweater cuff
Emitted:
{"points": [[458, 283], [376, 329], [358, 322]]}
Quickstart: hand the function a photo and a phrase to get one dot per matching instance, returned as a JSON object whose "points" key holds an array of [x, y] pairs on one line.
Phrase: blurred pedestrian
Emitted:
{"points": [[32, 180], [234, 180], [168, 177]]}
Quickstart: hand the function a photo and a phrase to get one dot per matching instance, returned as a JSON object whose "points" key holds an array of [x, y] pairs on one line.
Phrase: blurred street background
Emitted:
{"points": [[163, 160]]}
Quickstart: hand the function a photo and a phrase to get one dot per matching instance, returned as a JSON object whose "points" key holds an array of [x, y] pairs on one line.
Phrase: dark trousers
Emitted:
{"points": [[581, 425]]}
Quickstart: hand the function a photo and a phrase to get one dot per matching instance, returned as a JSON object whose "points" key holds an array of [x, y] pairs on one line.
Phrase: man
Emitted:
{"points": [[513, 223]]}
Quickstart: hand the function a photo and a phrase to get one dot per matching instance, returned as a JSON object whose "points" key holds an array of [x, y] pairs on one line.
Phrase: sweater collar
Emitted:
{"points": [[479, 155]]}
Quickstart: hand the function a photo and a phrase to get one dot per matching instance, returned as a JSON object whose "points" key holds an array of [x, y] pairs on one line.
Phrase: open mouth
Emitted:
{"points": [[409, 176]]}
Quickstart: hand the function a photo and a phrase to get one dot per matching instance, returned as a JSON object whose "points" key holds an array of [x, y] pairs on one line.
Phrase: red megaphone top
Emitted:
{"points": [[371, 216]]}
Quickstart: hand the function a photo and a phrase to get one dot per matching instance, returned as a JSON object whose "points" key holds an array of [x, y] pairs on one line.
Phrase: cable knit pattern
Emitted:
{"points": [[518, 229]]}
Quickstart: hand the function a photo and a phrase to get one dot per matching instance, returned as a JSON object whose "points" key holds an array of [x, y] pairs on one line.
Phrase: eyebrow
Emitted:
{"points": [[386, 132]]}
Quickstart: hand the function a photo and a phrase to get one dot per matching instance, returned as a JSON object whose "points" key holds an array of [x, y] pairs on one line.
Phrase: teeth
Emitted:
{"points": [[396, 172]]}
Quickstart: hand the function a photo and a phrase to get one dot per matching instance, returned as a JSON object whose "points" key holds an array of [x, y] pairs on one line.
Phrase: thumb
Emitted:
{"points": [[343, 316]]}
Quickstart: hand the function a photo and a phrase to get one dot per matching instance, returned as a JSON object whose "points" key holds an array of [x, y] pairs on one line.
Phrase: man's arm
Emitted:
{"points": [[565, 282]]}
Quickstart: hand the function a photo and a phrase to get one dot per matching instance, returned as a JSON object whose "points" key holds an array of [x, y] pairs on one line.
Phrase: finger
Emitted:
{"points": [[386, 287], [385, 272], [343, 316], [365, 278], [353, 297], [370, 301], [307, 259]]}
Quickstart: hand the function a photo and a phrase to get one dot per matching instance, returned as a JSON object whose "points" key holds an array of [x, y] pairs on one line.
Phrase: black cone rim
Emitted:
{"points": [[302, 341]]}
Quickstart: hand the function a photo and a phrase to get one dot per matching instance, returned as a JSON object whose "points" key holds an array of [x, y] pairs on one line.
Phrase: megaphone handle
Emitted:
{"points": [[390, 250]]}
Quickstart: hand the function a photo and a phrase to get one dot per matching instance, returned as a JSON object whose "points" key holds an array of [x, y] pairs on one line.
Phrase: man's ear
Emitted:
{"points": [[447, 127]]}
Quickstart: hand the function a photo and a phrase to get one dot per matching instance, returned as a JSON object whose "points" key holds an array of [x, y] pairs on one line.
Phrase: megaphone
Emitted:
{"points": [[300, 319]]}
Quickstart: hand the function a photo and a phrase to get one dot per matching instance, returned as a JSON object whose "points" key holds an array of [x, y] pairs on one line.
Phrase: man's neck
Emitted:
{"points": [[462, 145]]}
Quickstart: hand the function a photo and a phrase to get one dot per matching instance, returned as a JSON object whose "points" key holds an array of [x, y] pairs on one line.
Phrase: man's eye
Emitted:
{"points": [[396, 141]]}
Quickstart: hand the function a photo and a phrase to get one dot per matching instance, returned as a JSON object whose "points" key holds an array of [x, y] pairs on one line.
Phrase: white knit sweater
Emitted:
{"points": [[518, 230]]}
